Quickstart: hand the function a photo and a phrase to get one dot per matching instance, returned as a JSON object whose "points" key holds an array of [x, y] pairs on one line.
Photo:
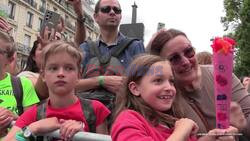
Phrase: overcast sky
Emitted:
{"points": [[199, 19]]}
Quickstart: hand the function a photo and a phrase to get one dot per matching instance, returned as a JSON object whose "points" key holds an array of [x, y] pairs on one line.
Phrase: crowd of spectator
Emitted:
{"points": [[112, 86]]}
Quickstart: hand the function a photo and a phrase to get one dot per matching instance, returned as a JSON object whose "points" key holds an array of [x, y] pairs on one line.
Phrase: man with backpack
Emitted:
{"points": [[107, 58], [16, 94]]}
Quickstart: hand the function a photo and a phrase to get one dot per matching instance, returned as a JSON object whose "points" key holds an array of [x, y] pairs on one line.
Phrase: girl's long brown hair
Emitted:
{"points": [[126, 100]]}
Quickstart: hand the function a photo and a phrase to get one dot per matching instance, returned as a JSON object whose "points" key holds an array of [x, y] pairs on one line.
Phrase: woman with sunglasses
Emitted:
{"points": [[195, 82]]}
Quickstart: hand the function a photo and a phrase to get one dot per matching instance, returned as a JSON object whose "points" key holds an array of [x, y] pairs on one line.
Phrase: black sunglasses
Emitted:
{"points": [[107, 9], [176, 58]]}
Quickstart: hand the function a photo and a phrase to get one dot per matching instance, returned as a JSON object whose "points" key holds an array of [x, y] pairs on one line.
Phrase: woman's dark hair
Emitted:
{"points": [[161, 39], [31, 63], [126, 100]]}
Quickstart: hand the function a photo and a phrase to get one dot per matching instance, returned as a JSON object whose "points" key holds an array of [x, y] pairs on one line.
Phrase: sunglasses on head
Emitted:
{"points": [[176, 58], [107, 9]]}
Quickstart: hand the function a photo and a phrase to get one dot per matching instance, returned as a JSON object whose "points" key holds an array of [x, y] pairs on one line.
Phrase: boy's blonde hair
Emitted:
{"points": [[61, 46], [204, 58], [8, 39]]}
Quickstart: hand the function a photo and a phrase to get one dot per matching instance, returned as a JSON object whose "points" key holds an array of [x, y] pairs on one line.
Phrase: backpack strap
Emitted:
{"points": [[89, 114], [41, 114], [122, 46], [41, 110], [18, 93], [95, 51], [92, 47], [104, 59]]}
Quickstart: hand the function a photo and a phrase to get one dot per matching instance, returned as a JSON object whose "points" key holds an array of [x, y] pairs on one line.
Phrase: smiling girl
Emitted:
{"points": [[143, 111]]}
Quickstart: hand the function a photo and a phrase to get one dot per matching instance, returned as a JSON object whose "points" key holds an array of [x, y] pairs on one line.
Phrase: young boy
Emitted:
{"points": [[61, 71], [8, 103]]}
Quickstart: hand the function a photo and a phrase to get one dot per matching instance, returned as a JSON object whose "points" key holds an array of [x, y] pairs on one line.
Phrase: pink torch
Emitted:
{"points": [[223, 67]]}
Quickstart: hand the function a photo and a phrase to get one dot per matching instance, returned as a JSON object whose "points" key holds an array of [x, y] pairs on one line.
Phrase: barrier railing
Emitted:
{"points": [[82, 136]]}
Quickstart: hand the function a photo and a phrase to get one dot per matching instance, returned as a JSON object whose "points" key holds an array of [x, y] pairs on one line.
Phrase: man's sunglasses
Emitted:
{"points": [[107, 9], [176, 58]]}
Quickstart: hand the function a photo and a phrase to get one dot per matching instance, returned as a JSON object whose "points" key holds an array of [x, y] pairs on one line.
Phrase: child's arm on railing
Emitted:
{"points": [[11, 136], [40, 127]]}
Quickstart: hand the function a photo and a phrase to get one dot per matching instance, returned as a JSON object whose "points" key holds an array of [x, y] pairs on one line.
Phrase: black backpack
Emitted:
{"points": [[18, 93], [104, 64], [87, 109]]}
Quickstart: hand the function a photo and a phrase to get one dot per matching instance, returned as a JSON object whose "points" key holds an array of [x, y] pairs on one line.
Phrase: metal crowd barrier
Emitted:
{"points": [[82, 136]]}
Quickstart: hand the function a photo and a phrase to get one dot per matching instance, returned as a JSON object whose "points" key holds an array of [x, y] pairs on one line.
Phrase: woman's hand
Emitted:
{"points": [[221, 134], [237, 118], [246, 82]]}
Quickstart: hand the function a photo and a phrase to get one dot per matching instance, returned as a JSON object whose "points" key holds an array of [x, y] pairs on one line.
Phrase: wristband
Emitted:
{"points": [[27, 134], [101, 81], [20, 137]]}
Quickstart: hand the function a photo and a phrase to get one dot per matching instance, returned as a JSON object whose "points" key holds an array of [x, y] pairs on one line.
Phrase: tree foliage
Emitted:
{"points": [[237, 23]]}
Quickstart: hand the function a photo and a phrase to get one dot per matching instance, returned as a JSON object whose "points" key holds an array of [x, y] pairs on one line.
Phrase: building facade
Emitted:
{"points": [[26, 17]]}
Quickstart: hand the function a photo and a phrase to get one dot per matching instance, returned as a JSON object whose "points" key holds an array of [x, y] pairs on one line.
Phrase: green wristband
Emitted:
{"points": [[20, 137], [101, 81]]}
